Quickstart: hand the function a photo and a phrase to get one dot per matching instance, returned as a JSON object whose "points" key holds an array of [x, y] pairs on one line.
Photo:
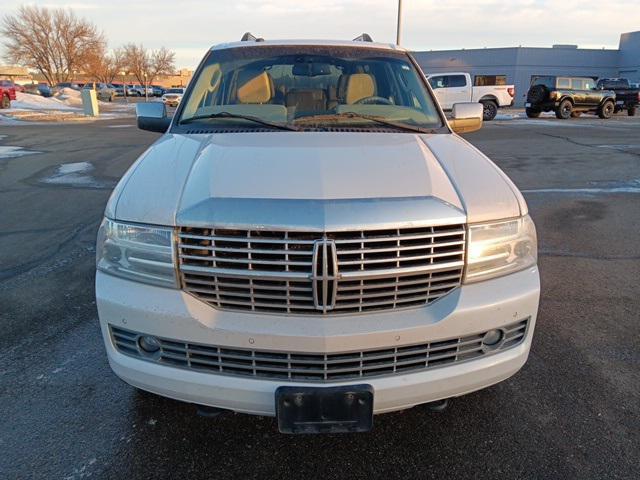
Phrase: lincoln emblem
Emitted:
{"points": [[324, 274]]}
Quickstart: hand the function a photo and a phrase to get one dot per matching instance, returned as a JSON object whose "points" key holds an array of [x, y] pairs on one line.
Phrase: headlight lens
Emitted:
{"points": [[500, 248], [136, 252]]}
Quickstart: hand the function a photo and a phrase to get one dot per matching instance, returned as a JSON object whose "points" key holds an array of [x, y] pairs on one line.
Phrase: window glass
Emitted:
{"points": [[577, 84], [564, 83], [457, 81], [489, 80], [547, 81], [309, 85], [438, 82]]}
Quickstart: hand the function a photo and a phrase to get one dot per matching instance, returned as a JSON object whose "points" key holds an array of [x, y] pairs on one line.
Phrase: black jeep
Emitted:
{"points": [[568, 97]]}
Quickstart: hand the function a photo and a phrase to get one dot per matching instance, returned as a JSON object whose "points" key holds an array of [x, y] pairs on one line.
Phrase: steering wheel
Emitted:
{"points": [[373, 100]]}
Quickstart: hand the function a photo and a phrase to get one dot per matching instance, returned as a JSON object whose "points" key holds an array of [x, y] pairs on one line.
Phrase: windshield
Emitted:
{"points": [[613, 83], [175, 90], [309, 87]]}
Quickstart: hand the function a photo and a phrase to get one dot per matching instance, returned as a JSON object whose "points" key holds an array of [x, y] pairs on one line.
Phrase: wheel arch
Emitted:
{"points": [[608, 99], [489, 97]]}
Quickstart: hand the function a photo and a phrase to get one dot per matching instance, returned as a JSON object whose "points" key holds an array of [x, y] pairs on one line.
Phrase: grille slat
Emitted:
{"points": [[273, 271], [399, 258], [318, 367]]}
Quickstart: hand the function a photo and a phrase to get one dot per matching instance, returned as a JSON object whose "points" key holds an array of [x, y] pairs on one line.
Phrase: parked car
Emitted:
{"points": [[118, 90], [104, 92], [72, 85], [42, 89], [568, 97], [317, 253], [7, 93], [173, 96], [139, 91], [452, 88], [627, 97], [158, 91]]}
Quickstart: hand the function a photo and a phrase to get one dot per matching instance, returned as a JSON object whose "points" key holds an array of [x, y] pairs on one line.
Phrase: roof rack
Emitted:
{"points": [[249, 37], [365, 37]]}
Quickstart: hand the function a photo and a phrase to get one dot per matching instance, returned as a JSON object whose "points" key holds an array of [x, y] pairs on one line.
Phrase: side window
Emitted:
{"points": [[457, 81], [577, 84], [564, 83], [488, 80], [588, 84], [437, 82]]}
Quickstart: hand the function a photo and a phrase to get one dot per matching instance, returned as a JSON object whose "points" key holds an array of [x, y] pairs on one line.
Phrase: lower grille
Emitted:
{"points": [[318, 367], [321, 272]]}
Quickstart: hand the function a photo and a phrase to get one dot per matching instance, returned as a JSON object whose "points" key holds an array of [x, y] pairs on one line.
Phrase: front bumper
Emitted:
{"points": [[174, 314]]}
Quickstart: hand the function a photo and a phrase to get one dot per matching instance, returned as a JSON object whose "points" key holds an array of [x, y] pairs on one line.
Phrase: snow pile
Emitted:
{"points": [[70, 97], [25, 101]]}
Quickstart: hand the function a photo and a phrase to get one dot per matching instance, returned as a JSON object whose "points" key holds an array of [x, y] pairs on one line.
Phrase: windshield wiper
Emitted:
{"points": [[249, 118], [372, 118]]}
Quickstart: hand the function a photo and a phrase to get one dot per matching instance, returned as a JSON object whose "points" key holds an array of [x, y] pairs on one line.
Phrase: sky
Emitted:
{"points": [[190, 27]]}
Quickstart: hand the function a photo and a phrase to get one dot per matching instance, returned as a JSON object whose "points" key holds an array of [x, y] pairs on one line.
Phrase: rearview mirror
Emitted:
{"points": [[466, 117], [153, 117]]}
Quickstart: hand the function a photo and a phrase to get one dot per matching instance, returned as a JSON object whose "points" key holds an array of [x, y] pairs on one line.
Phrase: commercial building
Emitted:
{"points": [[516, 65]]}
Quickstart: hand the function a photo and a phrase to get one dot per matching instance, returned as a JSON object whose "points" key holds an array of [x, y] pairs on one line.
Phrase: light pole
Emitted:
{"points": [[399, 27], [124, 87], [146, 88]]}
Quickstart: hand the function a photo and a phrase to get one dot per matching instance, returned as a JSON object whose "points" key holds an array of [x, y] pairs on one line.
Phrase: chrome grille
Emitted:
{"points": [[318, 367], [354, 271]]}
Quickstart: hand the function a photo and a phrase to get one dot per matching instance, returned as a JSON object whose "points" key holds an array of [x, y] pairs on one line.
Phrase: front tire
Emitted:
{"points": [[563, 112], [532, 112], [631, 111], [6, 102], [606, 110], [489, 110]]}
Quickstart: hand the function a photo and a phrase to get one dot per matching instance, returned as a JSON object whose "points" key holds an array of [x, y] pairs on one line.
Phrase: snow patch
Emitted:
{"points": [[10, 151], [632, 186], [72, 174]]}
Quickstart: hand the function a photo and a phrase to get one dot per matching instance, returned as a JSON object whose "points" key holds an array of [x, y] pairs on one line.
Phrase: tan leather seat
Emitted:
{"points": [[359, 86], [258, 89]]}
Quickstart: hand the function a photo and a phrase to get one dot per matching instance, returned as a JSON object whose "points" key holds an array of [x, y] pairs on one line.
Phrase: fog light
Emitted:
{"points": [[492, 338], [149, 344]]}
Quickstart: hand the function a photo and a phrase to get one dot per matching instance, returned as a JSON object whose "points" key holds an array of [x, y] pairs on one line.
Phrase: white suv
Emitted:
{"points": [[311, 240]]}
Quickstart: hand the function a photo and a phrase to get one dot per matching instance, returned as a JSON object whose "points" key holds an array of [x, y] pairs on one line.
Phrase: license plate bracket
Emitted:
{"points": [[324, 409]]}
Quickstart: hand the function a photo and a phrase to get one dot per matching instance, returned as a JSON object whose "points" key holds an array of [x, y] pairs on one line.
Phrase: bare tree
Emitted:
{"points": [[53, 41], [105, 66], [147, 65]]}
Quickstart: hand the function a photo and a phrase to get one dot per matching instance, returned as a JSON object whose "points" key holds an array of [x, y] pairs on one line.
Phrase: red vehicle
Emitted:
{"points": [[7, 93]]}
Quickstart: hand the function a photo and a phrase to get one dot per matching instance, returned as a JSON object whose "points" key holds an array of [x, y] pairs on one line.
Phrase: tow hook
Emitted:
{"points": [[209, 412], [438, 405]]}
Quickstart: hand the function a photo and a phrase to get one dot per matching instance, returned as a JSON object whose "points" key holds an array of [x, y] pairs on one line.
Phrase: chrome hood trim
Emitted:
{"points": [[320, 215]]}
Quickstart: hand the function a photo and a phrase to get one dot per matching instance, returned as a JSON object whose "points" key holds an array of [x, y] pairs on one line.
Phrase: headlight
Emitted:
{"points": [[136, 252], [500, 248]]}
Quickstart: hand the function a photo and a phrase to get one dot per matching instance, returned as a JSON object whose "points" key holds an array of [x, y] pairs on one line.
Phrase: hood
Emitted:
{"points": [[204, 179]]}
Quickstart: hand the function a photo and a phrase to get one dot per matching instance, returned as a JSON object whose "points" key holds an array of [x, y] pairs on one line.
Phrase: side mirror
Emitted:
{"points": [[466, 117], [153, 117]]}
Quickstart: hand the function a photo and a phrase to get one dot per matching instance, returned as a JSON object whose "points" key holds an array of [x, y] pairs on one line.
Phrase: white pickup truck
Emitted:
{"points": [[452, 88]]}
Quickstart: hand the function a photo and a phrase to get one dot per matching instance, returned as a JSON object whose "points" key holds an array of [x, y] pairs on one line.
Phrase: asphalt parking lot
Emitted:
{"points": [[572, 412]]}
